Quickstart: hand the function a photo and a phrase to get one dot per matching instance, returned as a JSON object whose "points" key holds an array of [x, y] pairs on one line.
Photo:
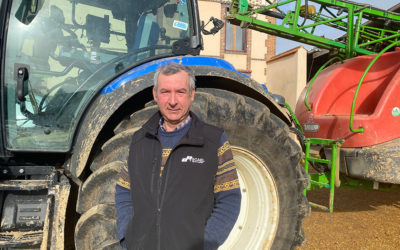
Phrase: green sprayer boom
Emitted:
{"points": [[367, 29]]}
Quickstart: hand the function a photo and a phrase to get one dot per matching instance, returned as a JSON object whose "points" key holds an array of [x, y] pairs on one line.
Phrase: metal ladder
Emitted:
{"points": [[329, 179]]}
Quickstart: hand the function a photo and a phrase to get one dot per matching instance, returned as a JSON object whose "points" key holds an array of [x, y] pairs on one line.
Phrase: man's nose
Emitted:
{"points": [[172, 99]]}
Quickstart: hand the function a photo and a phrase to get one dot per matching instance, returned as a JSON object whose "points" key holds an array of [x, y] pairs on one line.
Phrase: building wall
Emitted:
{"points": [[238, 60], [212, 43], [287, 74], [259, 46]]}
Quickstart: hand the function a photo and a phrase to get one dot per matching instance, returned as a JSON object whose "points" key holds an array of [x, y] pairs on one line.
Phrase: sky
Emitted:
{"points": [[283, 45]]}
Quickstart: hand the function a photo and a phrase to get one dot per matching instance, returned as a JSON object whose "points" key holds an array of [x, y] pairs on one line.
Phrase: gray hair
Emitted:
{"points": [[173, 68]]}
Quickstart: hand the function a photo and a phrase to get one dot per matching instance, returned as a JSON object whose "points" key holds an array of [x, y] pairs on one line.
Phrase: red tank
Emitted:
{"points": [[377, 108]]}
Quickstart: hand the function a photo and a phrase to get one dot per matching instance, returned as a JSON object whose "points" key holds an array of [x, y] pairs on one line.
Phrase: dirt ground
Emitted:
{"points": [[362, 219]]}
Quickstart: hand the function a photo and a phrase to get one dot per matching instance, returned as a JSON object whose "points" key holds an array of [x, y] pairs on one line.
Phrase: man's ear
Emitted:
{"points": [[155, 95], [192, 96]]}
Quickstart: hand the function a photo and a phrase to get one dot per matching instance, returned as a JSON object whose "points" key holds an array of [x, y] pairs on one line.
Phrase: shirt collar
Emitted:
{"points": [[186, 121]]}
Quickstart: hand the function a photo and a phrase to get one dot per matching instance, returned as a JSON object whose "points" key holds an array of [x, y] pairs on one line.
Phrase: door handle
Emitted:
{"points": [[22, 76]]}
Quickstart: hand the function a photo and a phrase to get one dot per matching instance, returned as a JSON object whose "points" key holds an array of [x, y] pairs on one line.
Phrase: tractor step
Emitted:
{"points": [[33, 201], [329, 179], [18, 239]]}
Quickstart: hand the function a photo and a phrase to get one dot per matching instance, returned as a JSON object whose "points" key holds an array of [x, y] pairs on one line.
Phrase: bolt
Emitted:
{"points": [[21, 171], [5, 171]]}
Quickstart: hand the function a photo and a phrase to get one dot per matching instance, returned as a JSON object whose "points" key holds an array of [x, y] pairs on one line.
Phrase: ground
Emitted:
{"points": [[362, 219]]}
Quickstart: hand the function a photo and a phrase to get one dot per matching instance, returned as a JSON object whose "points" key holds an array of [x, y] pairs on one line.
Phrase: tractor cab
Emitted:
{"points": [[58, 54]]}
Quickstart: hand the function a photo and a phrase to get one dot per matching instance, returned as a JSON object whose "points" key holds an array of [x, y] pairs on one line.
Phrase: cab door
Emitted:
{"points": [[31, 76]]}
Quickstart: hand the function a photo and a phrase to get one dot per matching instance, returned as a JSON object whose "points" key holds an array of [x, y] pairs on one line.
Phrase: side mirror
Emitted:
{"points": [[218, 24]]}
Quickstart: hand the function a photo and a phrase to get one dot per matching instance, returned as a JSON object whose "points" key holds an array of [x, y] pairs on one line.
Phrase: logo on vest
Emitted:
{"points": [[192, 159]]}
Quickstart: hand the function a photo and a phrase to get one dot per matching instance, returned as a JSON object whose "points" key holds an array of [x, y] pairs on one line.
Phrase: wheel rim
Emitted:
{"points": [[259, 213]]}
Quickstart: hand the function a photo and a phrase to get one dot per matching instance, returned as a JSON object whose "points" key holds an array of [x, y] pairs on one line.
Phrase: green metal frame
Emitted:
{"points": [[361, 39]]}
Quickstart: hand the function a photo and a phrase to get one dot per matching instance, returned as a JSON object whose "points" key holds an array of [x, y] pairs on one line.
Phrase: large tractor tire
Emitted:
{"points": [[267, 159]]}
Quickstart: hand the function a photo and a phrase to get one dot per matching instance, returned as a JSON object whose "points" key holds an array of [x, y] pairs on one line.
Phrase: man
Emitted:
{"points": [[181, 183]]}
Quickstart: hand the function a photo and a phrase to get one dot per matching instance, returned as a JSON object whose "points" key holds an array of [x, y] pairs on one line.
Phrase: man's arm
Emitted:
{"points": [[227, 199], [123, 205]]}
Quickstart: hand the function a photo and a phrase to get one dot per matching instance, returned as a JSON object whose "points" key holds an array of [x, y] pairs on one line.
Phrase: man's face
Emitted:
{"points": [[173, 98]]}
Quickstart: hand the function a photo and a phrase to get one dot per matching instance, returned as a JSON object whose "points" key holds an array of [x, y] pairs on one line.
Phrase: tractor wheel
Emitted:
{"points": [[271, 178]]}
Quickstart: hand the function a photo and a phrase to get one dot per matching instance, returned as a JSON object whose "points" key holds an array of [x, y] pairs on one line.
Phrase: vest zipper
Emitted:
{"points": [[158, 219], [153, 173], [157, 163], [161, 195]]}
